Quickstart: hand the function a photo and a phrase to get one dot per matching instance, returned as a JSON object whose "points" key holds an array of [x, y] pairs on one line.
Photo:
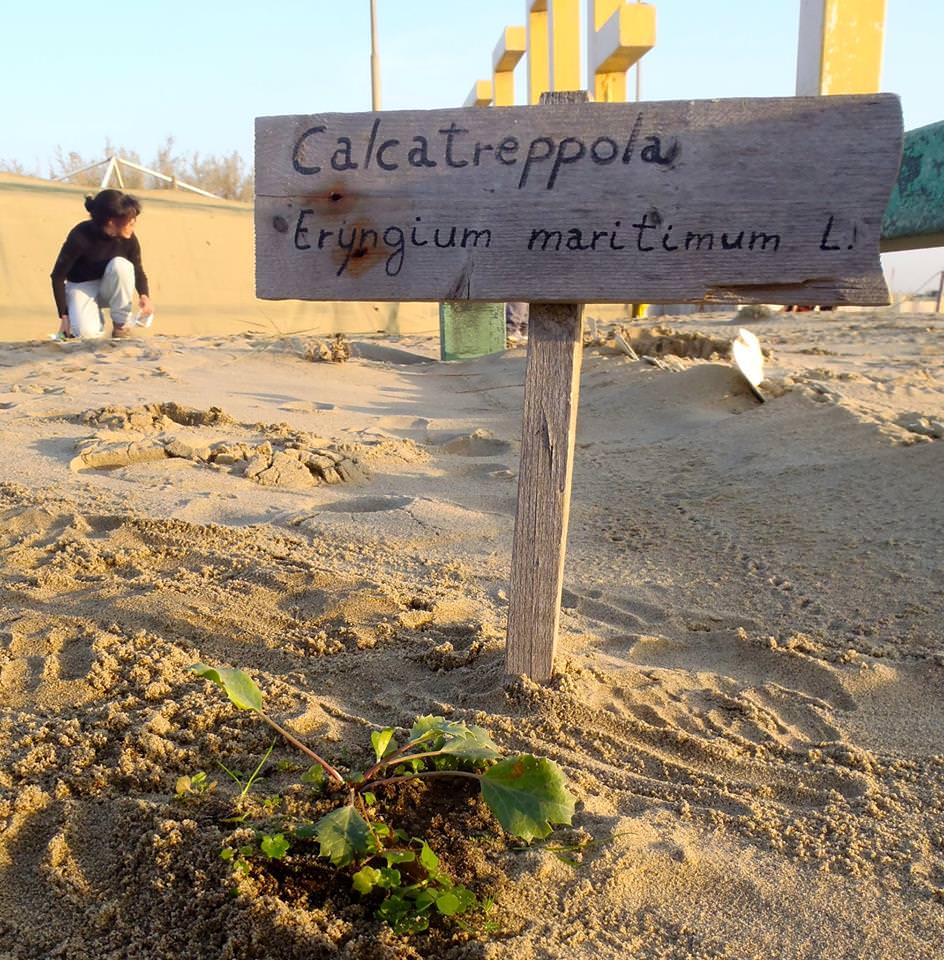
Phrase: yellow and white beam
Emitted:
{"points": [[480, 94], [508, 51], [563, 37], [840, 47], [539, 51], [619, 34], [553, 46]]}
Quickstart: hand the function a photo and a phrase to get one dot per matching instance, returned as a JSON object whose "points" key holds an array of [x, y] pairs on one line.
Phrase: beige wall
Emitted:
{"points": [[198, 255]]}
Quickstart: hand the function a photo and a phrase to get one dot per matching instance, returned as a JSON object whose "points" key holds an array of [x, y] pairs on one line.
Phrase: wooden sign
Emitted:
{"points": [[773, 200]]}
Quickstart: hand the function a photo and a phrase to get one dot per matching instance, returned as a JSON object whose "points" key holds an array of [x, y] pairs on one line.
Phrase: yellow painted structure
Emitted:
{"points": [[539, 51], [840, 46], [480, 95], [509, 50], [564, 44], [619, 34]]}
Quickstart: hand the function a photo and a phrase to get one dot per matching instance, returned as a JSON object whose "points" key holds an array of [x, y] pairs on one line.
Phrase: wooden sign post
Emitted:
{"points": [[725, 201], [545, 473]]}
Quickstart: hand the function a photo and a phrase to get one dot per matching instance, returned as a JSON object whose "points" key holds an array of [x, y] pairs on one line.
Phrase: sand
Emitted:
{"points": [[748, 702]]}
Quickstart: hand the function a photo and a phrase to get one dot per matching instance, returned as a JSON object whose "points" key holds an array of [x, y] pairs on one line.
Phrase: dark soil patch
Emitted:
{"points": [[456, 823]]}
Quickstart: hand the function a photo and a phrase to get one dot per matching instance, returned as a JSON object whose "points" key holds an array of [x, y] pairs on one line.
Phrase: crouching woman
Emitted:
{"points": [[99, 266]]}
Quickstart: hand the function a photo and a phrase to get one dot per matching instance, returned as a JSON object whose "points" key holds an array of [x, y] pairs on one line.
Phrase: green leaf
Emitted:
{"points": [[227, 853], [393, 909], [528, 795], [381, 742], [429, 859], [366, 879], [472, 743], [237, 685], [466, 898], [343, 833], [447, 904], [274, 846], [410, 925], [390, 879], [399, 856], [454, 737], [426, 725], [306, 831], [424, 900], [314, 776], [369, 798]]}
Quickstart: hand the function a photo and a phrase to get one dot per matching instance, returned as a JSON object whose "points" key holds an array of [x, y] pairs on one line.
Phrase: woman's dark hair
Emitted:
{"points": [[112, 205]]}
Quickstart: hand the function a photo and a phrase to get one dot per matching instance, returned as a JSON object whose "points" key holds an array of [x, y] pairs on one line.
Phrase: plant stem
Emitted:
{"points": [[422, 773], [365, 813], [392, 761], [295, 742], [397, 754], [255, 773], [222, 766]]}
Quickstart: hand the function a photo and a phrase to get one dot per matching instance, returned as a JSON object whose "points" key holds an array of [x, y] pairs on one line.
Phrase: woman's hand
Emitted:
{"points": [[64, 325], [144, 306]]}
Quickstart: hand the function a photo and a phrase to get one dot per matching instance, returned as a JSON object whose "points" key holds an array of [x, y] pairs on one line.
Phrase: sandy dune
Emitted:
{"points": [[750, 697]]}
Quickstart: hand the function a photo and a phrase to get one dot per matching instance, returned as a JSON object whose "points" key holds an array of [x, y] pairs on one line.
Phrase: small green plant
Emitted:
{"points": [[528, 796], [197, 784], [246, 785]]}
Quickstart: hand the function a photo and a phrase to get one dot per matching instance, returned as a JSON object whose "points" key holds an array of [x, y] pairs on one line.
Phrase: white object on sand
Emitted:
{"points": [[623, 344], [749, 359]]}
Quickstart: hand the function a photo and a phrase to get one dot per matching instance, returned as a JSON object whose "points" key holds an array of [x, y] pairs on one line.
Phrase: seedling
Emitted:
{"points": [[528, 796], [197, 784], [246, 786]]}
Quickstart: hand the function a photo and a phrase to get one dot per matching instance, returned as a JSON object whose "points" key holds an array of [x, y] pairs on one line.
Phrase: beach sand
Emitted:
{"points": [[748, 702]]}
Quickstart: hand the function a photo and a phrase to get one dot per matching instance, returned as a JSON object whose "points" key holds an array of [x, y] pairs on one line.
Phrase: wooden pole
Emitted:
{"points": [[940, 295], [548, 429], [549, 419]]}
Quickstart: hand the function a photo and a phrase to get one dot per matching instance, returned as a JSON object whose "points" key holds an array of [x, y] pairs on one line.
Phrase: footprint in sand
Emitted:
{"points": [[45, 661], [485, 471], [478, 443], [305, 406], [425, 520], [368, 504], [623, 614]]}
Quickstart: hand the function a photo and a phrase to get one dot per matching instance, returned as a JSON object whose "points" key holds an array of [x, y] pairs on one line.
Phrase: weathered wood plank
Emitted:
{"points": [[548, 429], [549, 421], [776, 200], [915, 215]]}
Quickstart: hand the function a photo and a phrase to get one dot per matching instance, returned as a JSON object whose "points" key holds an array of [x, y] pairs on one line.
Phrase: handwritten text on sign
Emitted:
{"points": [[735, 200]]}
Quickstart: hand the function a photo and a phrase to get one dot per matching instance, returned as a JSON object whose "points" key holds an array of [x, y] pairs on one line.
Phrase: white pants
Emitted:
{"points": [[115, 290]]}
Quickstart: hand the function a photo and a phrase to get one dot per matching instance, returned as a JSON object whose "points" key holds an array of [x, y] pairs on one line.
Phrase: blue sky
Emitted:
{"points": [[76, 73]]}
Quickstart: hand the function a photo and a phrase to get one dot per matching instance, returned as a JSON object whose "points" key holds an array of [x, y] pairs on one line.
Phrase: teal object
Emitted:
{"points": [[915, 215], [470, 330]]}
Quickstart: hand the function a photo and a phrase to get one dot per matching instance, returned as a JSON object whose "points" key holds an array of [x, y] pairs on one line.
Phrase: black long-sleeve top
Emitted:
{"points": [[86, 253]]}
